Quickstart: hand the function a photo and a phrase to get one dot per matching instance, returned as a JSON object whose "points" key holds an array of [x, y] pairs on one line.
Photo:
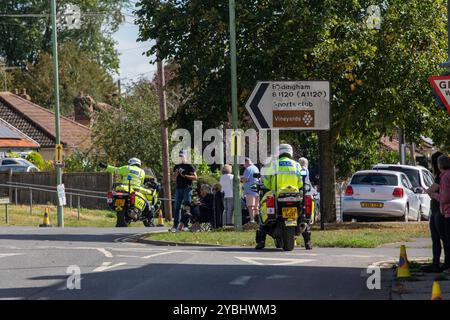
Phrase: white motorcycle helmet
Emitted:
{"points": [[134, 162], [285, 149]]}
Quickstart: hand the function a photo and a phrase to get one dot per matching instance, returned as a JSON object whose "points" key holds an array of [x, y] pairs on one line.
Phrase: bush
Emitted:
{"points": [[36, 159]]}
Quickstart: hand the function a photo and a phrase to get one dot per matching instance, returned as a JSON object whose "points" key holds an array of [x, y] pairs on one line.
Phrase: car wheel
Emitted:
{"points": [[406, 214]]}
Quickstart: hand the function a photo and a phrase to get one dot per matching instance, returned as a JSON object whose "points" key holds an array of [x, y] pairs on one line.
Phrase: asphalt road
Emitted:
{"points": [[34, 265]]}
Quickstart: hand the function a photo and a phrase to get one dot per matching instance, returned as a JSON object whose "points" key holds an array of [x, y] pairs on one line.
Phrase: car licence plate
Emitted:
{"points": [[289, 213], [119, 202], [372, 205]]}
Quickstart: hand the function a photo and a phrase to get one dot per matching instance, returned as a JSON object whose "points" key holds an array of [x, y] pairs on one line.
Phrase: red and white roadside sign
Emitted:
{"points": [[441, 85]]}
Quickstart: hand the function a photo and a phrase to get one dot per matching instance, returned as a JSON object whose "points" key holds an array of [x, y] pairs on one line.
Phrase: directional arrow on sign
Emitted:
{"points": [[441, 85], [260, 112]]}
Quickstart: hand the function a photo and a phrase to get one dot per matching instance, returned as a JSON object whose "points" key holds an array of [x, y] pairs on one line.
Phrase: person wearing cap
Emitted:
{"points": [[251, 197], [281, 173], [184, 174]]}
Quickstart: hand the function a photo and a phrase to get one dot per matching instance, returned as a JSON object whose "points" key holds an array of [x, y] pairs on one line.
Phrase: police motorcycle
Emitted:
{"points": [[284, 216], [131, 205]]}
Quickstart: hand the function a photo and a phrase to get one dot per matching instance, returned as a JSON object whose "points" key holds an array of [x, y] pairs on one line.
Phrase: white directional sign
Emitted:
{"points": [[441, 85], [291, 105]]}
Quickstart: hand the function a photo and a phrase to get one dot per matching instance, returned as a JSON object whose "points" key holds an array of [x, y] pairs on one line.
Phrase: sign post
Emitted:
{"points": [[293, 105]]}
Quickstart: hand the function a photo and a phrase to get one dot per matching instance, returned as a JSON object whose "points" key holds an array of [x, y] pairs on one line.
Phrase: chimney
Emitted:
{"points": [[16, 91], [83, 107], [25, 95]]}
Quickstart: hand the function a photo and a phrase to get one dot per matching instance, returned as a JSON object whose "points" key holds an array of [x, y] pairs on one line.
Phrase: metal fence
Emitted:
{"points": [[82, 189], [73, 196]]}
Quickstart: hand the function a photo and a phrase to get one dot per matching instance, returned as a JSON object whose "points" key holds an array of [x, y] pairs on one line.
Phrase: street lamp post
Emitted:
{"points": [[236, 194], [60, 209]]}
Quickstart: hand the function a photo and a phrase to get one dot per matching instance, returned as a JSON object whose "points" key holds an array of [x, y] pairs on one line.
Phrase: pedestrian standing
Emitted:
{"points": [[436, 222], [251, 197], [443, 196], [183, 173], [226, 181]]}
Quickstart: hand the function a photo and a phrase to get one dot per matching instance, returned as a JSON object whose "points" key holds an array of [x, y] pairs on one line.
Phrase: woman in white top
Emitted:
{"points": [[226, 181]]}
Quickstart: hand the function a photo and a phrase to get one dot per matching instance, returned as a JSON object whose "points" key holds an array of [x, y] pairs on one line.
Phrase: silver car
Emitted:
{"points": [[17, 165], [381, 194], [419, 176]]}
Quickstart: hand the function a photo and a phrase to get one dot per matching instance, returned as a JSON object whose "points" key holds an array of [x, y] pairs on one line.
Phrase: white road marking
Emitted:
{"points": [[127, 256], [105, 252], [285, 261], [240, 281], [160, 254], [4, 255], [107, 266]]}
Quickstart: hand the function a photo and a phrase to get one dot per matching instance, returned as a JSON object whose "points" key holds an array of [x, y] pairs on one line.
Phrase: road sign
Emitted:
{"points": [[290, 105], [441, 85], [4, 200], [58, 153]]}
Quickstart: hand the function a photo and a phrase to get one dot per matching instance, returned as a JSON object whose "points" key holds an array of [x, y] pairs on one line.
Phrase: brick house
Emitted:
{"points": [[38, 123]]}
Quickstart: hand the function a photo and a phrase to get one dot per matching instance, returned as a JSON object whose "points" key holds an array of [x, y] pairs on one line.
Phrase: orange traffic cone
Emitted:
{"points": [[160, 219], [436, 293], [403, 264], [46, 222]]}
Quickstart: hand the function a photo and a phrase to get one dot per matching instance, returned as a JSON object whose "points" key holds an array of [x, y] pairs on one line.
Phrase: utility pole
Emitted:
{"points": [[164, 139], [60, 209], [401, 145], [236, 194]]}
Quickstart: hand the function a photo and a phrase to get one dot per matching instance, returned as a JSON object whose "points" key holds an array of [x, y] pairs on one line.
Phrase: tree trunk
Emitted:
{"points": [[327, 178]]}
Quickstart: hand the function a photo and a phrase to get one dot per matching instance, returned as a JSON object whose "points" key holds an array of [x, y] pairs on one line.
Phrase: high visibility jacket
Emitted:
{"points": [[137, 174], [282, 173]]}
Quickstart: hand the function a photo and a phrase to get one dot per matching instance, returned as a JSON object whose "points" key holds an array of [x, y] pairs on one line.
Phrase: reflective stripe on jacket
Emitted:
{"points": [[287, 173], [137, 174]]}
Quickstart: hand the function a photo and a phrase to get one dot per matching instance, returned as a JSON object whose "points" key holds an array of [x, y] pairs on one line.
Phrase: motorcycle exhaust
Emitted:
{"points": [[302, 227]]}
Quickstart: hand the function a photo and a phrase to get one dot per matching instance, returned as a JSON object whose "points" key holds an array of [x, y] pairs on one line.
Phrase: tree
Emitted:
{"points": [[378, 77], [23, 39], [77, 72], [133, 130]]}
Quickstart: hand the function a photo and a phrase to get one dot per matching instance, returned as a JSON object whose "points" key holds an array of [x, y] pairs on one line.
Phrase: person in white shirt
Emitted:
{"points": [[226, 181]]}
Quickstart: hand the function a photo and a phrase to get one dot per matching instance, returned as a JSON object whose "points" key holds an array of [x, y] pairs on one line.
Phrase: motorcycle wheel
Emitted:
{"points": [[288, 239], [121, 220]]}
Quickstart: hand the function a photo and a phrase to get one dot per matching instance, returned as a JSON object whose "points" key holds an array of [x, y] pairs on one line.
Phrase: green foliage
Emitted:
{"points": [[79, 162], [36, 159], [77, 72], [131, 131], [12, 155], [23, 39], [378, 77]]}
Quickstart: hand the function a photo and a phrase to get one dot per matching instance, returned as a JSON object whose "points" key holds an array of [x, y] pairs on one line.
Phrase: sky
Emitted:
{"points": [[133, 65]]}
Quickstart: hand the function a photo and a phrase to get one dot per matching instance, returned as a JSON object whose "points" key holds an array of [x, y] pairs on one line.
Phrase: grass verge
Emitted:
{"points": [[20, 216], [342, 235]]}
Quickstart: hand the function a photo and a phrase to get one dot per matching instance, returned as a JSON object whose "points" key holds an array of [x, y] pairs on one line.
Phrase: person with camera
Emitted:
{"points": [[184, 174]]}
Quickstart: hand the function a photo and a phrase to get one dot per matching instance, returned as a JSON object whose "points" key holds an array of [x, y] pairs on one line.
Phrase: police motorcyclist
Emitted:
{"points": [[132, 170], [287, 173]]}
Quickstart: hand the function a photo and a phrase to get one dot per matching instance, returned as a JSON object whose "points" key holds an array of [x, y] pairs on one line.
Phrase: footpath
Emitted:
{"points": [[410, 283]]}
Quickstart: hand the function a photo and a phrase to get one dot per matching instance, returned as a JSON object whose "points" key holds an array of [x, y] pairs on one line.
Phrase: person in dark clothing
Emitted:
{"points": [[218, 206], [437, 225], [184, 174]]}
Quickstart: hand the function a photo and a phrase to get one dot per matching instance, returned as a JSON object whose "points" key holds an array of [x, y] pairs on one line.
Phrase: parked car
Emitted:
{"points": [[381, 194], [419, 176], [17, 165]]}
